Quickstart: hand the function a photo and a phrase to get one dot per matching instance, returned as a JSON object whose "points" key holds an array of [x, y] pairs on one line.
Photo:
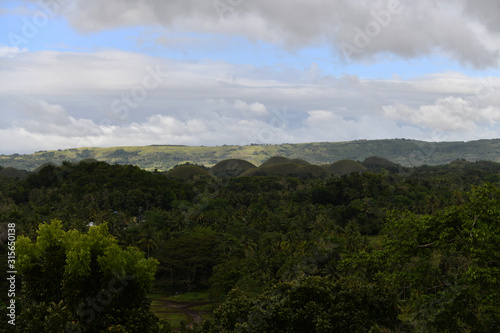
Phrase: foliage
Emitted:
{"points": [[287, 169], [312, 305], [424, 237], [346, 167], [447, 264], [187, 260], [187, 172], [84, 280], [231, 168]]}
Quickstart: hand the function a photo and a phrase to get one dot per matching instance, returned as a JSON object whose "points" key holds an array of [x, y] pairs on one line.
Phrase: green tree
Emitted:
{"points": [[187, 260], [314, 304], [83, 282], [447, 265]]}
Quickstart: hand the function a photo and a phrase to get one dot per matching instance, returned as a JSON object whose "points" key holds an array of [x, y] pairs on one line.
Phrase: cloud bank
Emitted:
{"points": [[214, 102], [112, 96], [465, 30]]}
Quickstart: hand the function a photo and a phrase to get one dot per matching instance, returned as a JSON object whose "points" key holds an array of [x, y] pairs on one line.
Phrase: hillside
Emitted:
{"points": [[401, 151]]}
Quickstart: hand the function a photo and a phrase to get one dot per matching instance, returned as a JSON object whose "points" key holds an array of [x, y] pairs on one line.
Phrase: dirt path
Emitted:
{"points": [[184, 307]]}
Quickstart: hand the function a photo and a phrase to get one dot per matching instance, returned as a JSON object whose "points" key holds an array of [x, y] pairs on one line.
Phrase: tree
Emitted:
{"points": [[447, 264], [314, 304], [83, 282], [187, 261]]}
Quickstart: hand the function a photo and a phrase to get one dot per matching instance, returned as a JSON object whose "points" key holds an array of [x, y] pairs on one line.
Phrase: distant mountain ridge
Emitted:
{"points": [[400, 151]]}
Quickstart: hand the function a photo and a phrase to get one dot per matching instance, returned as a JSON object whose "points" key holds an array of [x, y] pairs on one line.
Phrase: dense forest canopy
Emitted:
{"points": [[282, 248]]}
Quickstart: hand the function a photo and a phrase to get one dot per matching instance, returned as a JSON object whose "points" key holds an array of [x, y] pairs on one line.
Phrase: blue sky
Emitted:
{"points": [[262, 72]]}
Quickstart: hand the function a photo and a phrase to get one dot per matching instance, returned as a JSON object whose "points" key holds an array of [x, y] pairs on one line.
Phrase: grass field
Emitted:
{"points": [[186, 308], [194, 296]]}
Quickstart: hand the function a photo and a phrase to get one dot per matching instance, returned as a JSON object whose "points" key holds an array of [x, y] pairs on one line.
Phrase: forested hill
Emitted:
{"points": [[400, 151], [282, 248]]}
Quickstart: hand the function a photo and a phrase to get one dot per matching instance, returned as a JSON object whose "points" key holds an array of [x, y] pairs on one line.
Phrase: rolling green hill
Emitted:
{"points": [[401, 151], [345, 167], [288, 169], [187, 171], [231, 168]]}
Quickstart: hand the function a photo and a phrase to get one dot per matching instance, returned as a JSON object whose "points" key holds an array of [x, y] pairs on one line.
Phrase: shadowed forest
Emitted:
{"points": [[287, 246]]}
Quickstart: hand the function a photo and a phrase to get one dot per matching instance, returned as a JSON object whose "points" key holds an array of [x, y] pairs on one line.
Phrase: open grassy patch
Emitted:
{"points": [[175, 318], [156, 302], [206, 307], [194, 296], [187, 308]]}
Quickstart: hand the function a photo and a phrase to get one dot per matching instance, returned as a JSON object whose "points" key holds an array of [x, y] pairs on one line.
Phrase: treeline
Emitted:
{"points": [[400, 250]]}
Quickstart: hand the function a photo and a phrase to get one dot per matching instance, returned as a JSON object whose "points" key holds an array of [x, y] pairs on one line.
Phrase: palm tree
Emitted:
{"points": [[149, 241]]}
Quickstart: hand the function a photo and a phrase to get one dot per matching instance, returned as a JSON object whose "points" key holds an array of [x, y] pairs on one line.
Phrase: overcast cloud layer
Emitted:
{"points": [[113, 96], [466, 30]]}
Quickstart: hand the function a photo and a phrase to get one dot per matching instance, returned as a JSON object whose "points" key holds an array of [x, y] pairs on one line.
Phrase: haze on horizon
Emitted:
{"points": [[78, 73]]}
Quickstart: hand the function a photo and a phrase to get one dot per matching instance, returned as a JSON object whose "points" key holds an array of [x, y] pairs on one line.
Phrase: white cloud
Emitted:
{"points": [[256, 108], [8, 51], [323, 125], [159, 129], [446, 114], [464, 30], [56, 100]]}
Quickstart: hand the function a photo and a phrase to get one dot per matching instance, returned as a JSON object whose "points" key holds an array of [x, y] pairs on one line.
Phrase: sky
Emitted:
{"points": [[89, 73]]}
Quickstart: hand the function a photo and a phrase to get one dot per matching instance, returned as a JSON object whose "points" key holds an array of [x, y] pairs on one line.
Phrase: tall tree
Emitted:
{"points": [[83, 282]]}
